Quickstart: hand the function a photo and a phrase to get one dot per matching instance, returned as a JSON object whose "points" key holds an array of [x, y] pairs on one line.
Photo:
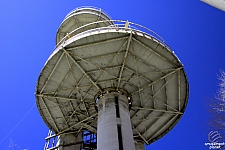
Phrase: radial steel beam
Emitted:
{"points": [[156, 80], [152, 98], [70, 70], [146, 63], [60, 107], [140, 135], [103, 68], [144, 118], [137, 75], [139, 109], [76, 87], [163, 127], [50, 115], [112, 59], [57, 103], [82, 100], [144, 107], [140, 75], [164, 85], [46, 81], [95, 67], [82, 70], [77, 124], [63, 98], [65, 77], [146, 129], [73, 113], [166, 92], [161, 56], [124, 60], [167, 111]]}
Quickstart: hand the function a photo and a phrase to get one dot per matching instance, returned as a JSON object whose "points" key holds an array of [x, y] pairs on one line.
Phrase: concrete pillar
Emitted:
{"points": [[114, 130], [70, 141]]}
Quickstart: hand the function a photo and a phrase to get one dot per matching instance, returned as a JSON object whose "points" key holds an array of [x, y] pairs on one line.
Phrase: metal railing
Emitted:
{"points": [[115, 24], [87, 7]]}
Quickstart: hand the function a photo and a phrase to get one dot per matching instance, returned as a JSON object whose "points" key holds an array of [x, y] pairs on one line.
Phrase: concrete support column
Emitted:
{"points": [[70, 141], [114, 130]]}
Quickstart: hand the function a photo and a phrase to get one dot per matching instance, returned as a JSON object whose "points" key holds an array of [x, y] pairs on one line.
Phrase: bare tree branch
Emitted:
{"points": [[216, 107]]}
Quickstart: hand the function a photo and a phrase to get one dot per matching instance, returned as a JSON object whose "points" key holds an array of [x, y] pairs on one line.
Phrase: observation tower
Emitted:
{"points": [[113, 79]]}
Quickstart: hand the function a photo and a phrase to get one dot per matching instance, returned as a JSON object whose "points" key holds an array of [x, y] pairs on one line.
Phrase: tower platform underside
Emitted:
{"points": [[90, 64]]}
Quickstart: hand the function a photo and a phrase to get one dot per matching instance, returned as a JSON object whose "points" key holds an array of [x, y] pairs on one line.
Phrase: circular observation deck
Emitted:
{"points": [[78, 18], [118, 58]]}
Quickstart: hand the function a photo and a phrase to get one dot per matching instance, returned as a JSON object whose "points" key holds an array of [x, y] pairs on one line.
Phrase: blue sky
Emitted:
{"points": [[194, 30]]}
